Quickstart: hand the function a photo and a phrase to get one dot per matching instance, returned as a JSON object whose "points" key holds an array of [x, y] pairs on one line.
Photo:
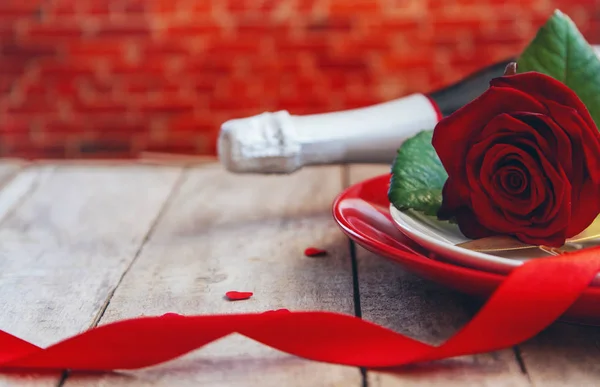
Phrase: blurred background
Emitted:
{"points": [[113, 78]]}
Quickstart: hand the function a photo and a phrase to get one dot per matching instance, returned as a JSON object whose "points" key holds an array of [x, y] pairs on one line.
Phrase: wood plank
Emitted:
{"points": [[16, 182], [240, 232], [66, 246], [9, 169], [564, 354], [401, 301]]}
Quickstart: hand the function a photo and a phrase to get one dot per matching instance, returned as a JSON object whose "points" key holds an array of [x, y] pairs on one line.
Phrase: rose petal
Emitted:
{"points": [[314, 252], [546, 89], [513, 180], [555, 215], [549, 132], [489, 166], [453, 135], [586, 167], [558, 184], [493, 210], [451, 200], [584, 208], [484, 159], [575, 126], [470, 226], [236, 296], [554, 212], [536, 128], [554, 240], [482, 184], [546, 177]]}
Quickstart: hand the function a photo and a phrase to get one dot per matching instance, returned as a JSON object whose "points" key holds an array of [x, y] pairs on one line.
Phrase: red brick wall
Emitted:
{"points": [[102, 78]]}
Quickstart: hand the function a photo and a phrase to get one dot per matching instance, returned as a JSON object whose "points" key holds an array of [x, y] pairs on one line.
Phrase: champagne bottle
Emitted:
{"points": [[277, 142]]}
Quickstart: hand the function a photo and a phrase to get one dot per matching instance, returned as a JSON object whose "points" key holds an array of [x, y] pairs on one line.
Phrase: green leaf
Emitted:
{"points": [[418, 176], [560, 51]]}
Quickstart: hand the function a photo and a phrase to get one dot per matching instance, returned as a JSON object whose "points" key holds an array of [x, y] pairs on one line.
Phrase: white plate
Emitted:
{"points": [[441, 237]]}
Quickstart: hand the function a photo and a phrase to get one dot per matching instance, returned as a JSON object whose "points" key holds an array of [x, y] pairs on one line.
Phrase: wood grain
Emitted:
{"points": [[239, 232], [66, 246], [563, 354], [16, 183], [399, 300], [9, 169]]}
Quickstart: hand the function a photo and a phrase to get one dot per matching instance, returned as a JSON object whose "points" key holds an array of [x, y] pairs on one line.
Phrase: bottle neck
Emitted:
{"points": [[370, 134]]}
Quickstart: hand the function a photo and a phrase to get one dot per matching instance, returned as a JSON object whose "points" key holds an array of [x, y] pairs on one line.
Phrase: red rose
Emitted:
{"points": [[522, 159]]}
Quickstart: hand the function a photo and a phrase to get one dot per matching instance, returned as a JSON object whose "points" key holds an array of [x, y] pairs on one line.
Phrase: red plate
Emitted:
{"points": [[362, 213]]}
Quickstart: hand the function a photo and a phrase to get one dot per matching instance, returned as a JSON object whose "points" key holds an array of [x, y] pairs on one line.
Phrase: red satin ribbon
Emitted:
{"points": [[531, 298]]}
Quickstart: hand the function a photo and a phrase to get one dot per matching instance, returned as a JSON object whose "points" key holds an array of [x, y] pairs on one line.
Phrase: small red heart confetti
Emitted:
{"points": [[236, 296], [171, 314], [278, 311], [314, 252]]}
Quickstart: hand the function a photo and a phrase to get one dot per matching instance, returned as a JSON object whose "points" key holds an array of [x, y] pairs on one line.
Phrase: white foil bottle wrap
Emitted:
{"points": [[282, 143]]}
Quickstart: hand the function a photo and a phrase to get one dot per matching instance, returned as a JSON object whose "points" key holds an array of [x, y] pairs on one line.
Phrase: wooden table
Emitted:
{"points": [[86, 244]]}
